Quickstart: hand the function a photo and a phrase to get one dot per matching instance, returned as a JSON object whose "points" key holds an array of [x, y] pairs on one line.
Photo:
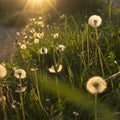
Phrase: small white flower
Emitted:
{"points": [[3, 71], [36, 41], [56, 35], [20, 73], [95, 21], [61, 47], [43, 50], [96, 85], [23, 46], [57, 68]]}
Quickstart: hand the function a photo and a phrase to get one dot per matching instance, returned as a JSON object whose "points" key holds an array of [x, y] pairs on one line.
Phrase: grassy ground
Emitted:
{"points": [[54, 60]]}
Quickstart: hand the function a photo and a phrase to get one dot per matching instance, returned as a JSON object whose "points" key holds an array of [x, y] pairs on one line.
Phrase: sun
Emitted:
{"points": [[40, 6]]}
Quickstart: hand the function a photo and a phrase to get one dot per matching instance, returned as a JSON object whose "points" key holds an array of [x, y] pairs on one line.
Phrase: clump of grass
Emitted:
{"points": [[58, 58]]}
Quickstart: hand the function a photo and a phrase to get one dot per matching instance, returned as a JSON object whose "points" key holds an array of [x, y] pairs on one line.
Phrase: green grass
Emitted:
{"points": [[62, 95]]}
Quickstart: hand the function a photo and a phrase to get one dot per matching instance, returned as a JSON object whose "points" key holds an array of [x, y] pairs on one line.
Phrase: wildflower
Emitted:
{"points": [[96, 85], [3, 71], [95, 21], [56, 35], [36, 41], [2, 99], [43, 50], [20, 73], [23, 46], [15, 104], [57, 68], [61, 47], [20, 89]]}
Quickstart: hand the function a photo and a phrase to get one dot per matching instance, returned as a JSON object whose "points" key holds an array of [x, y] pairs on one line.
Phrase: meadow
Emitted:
{"points": [[66, 68]]}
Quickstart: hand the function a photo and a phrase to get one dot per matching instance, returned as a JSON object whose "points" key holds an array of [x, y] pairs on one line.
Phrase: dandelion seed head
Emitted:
{"points": [[95, 21], [20, 89], [96, 85], [20, 74], [61, 47], [3, 71], [36, 41], [23, 46], [56, 35], [15, 104], [43, 50], [57, 68]]}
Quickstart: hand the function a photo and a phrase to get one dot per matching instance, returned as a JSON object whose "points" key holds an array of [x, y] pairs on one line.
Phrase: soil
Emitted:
{"points": [[7, 39]]}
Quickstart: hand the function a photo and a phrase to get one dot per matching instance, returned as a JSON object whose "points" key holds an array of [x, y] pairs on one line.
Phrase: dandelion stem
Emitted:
{"points": [[22, 104], [95, 107]]}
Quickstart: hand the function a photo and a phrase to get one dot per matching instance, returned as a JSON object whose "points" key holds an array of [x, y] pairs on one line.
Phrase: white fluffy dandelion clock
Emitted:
{"points": [[43, 50], [23, 46], [96, 85], [95, 21], [3, 71], [36, 41], [20, 73], [61, 47]]}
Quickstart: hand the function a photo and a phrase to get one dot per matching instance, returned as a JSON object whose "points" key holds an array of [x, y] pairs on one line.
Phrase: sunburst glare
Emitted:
{"points": [[41, 5]]}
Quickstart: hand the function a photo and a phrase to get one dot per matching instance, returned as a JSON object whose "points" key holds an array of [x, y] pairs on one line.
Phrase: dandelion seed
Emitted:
{"points": [[3, 71], [61, 47], [95, 21], [20, 73], [96, 85], [55, 69], [43, 50], [23, 46], [36, 41]]}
